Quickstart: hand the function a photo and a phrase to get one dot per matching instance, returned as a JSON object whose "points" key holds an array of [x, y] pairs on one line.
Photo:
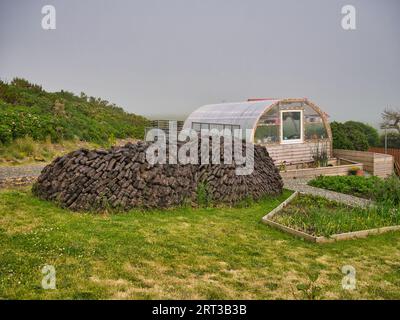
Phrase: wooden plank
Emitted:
{"points": [[291, 231], [314, 172], [380, 165], [292, 152], [356, 234], [281, 206]]}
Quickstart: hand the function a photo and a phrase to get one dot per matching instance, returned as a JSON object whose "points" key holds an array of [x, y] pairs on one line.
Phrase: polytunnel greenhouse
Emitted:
{"points": [[290, 129]]}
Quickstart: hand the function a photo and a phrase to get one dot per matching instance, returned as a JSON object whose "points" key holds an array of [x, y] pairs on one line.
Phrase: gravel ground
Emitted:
{"points": [[20, 171], [301, 186], [19, 175]]}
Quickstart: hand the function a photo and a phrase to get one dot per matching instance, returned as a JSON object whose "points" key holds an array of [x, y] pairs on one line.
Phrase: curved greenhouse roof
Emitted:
{"points": [[249, 114], [245, 114]]}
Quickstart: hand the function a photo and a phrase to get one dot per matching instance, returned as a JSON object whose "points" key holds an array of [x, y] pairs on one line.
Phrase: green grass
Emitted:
{"points": [[25, 151], [185, 253], [321, 217]]}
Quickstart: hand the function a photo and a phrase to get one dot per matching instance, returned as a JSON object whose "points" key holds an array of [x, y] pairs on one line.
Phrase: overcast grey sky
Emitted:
{"points": [[169, 57]]}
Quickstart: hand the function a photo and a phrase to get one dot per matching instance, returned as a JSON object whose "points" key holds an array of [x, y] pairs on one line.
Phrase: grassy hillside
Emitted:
{"points": [[27, 110]]}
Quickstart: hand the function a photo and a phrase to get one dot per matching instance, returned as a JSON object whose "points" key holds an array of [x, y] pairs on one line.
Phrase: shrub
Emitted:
{"points": [[384, 191], [204, 198], [355, 185], [349, 136], [320, 154], [370, 132], [388, 191], [5, 134], [27, 110]]}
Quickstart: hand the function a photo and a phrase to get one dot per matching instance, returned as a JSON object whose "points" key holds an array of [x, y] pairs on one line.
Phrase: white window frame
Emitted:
{"points": [[293, 141]]}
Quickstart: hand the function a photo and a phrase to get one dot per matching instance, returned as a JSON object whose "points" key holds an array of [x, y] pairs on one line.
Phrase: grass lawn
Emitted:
{"points": [[321, 217], [217, 253]]}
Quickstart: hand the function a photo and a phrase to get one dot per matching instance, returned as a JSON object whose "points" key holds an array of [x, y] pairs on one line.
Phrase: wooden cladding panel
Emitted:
{"points": [[378, 164], [293, 153]]}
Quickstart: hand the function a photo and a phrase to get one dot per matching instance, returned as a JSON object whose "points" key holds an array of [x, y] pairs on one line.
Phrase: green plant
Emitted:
{"points": [[381, 190], [204, 198], [370, 132], [393, 140], [388, 191], [282, 166], [321, 217], [355, 185], [26, 150], [310, 290], [349, 135], [27, 110], [245, 202], [320, 154]]}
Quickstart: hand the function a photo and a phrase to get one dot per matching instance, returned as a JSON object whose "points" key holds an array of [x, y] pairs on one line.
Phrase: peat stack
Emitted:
{"points": [[121, 178]]}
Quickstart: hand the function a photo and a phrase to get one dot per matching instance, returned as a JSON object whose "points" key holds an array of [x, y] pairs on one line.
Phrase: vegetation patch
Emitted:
{"points": [[28, 110], [26, 150], [385, 191], [354, 135], [358, 186], [318, 216]]}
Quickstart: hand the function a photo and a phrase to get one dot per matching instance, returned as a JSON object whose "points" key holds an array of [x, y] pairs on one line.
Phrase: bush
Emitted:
{"points": [[355, 185], [204, 198], [350, 136], [27, 110], [5, 134], [388, 191], [384, 191], [370, 132]]}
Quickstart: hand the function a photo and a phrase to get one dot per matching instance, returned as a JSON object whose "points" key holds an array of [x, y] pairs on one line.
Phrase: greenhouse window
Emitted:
{"points": [[292, 126]]}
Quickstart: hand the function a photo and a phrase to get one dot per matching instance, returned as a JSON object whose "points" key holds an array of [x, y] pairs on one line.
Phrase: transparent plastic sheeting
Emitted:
{"points": [[243, 114]]}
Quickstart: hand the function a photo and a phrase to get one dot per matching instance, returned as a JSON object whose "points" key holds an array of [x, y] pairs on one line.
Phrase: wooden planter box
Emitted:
{"points": [[377, 164], [267, 219], [335, 170]]}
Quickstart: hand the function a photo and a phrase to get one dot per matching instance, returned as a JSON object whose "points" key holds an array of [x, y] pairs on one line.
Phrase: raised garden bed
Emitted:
{"points": [[317, 219], [336, 167]]}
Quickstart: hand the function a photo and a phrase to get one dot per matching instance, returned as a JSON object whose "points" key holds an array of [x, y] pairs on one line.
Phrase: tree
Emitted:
{"points": [[349, 136], [393, 140], [391, 119], [370, 132]]}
